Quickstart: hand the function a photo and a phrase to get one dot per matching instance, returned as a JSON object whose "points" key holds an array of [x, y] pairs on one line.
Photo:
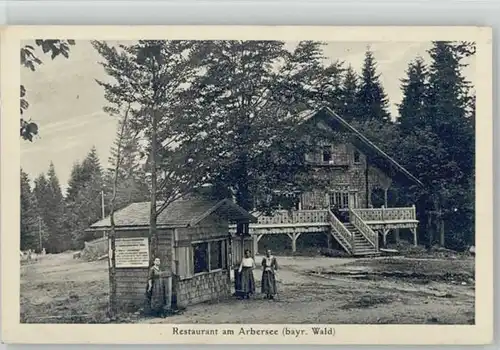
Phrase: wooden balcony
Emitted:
{"points": [[338, 159], [284, 221], [359, 236], [389, 218]]}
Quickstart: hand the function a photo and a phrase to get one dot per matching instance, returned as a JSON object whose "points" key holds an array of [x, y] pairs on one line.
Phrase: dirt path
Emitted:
{"points": [[309, 297], [64, 290]]}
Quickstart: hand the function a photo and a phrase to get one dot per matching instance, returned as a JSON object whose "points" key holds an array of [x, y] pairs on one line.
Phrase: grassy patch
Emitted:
{"points": [[60, 289], [64, 302]]}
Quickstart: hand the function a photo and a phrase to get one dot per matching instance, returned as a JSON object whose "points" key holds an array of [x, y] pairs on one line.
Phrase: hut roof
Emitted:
{"points": [[180, 213]]}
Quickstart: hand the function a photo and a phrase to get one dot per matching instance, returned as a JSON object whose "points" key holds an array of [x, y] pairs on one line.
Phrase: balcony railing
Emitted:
{"points": [[387, 214], [284, 217], [370, 216], [336, 160]]}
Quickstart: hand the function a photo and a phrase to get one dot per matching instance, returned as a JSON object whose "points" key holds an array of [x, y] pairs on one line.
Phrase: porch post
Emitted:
{"points": [[414, 231], [384, 236], [294, 236], [256, 239], [396, 235], [385, 197]]}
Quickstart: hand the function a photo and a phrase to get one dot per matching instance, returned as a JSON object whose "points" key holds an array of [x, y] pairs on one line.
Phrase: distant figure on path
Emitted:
{"points": [[269, 270], [247, 280], [155, 290]]}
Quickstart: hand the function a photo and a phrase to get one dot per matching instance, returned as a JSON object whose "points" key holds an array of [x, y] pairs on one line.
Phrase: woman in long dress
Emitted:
{"points": [[247, 266], [155, 290], [269, 270]]}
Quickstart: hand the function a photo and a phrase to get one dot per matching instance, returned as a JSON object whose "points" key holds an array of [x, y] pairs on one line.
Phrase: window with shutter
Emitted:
{"points": [[184, 262], [215, 249]]}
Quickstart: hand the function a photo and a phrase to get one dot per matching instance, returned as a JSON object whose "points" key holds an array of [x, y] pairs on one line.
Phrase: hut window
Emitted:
{"points": [[206, 257], [357, 157], [216, 255], [200, 255]]}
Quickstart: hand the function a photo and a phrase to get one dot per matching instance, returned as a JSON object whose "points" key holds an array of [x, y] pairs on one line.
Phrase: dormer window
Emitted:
{"points": [[327, 155], [357, 157]]}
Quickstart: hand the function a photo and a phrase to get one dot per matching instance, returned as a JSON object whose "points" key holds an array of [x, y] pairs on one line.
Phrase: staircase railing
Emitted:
{"points": [[363, 228], [341, 230], [386, 214]]}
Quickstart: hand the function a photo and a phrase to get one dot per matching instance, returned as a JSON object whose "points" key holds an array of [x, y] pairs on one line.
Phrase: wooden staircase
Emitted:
{"points": [[360, 244], [349, 236]]}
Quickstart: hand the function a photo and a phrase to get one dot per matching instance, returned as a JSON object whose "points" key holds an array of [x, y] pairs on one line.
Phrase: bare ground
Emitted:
{"points": [[311, 290]]}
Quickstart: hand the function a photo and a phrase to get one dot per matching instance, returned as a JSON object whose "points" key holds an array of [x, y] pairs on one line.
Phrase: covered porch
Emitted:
{"points": [[294, 223]]}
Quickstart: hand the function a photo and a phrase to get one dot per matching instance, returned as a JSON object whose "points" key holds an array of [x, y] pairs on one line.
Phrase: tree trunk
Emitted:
{"points": [[243, 197], [430, 235], [113, 302], [441, 232], [153, 234]]}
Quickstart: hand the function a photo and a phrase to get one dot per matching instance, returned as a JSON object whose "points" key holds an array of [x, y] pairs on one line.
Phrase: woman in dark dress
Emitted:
{"points": [[246, 271], [155, 290], [269, 270]]}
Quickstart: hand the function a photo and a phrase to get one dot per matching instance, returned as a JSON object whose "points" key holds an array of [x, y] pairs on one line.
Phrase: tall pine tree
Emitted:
{"points": [[448, 104], [438, 146], [413, 108], [57, 234], [131, 181], [372, 99], [83, 199], [350, 109], [329, 89], [33, 229], [51, 209]]}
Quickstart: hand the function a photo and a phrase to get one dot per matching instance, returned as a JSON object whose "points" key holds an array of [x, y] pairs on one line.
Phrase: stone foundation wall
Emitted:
{"points": [[212, 286]]}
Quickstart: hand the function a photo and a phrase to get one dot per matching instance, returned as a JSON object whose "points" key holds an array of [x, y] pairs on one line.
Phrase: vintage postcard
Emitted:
{"points": [[227, 184]]}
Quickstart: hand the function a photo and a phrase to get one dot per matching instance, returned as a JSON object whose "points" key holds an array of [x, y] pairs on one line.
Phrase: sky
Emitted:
{"points": [[66, 102]]}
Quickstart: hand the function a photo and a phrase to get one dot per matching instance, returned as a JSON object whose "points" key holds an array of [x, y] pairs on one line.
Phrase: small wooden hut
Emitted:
{"points": [[194, 247]]}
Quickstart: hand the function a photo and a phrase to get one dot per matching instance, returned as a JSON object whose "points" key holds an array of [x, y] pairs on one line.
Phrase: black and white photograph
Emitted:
{"points": [[246, 182]]}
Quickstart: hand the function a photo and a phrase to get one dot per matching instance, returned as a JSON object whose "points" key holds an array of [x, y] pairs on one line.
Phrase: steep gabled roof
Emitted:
{"points": [[333, 120], [181, 213]]}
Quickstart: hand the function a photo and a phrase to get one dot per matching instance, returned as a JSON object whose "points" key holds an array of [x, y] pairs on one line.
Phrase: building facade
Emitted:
{"points": [[351, 169]]}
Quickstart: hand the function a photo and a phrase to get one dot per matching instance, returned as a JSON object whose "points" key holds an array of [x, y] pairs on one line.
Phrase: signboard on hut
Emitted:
{"points": [[131, 252]]}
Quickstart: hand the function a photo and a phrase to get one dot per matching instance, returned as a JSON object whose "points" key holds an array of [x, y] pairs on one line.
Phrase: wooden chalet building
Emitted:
{"points": [[354, 170]]}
